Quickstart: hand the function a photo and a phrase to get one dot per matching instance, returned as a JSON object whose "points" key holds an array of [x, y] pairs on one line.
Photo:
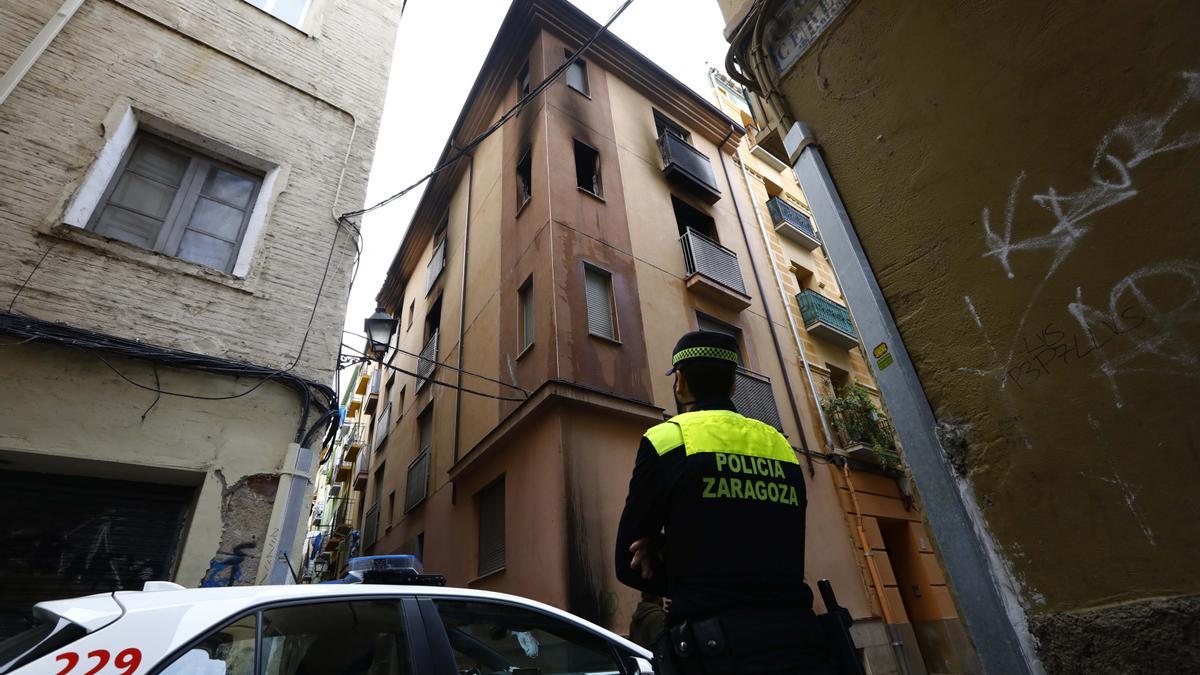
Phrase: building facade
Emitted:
{"points": [[980, 170], [167, 177], [540, 288]]}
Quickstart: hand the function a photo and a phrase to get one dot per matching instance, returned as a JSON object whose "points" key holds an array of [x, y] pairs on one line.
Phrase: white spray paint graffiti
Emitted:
{"points": [[1141, 137], [1166, 319]]}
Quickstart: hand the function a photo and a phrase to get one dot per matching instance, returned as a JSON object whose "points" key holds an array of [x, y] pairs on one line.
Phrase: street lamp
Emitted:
{"points": [[380, 328]]}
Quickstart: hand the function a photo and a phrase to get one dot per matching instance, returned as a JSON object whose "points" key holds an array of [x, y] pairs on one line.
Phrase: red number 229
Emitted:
{"points": [[127, 661]]}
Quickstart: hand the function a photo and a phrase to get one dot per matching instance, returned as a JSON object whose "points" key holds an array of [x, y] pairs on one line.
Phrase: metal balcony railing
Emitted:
{"points": [[826, 318], [354, 434], [704, 256], [427, 361], [682, 161], [361, 464], [753, 397], [792, 223], [370, 530], [383, 425], [416, 486]]}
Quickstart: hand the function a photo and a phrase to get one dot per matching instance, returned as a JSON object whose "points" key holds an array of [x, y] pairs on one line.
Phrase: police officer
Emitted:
{"points": [[714, 520]]}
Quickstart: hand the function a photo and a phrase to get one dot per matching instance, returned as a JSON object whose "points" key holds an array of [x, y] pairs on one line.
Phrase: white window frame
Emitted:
{"points": [[91, 192]]}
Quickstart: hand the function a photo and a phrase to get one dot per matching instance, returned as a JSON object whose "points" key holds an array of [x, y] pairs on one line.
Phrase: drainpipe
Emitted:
{"points": [[984, 586], [889, 619], [462, 306], [39, 44], [787, 381], [812, 386]]}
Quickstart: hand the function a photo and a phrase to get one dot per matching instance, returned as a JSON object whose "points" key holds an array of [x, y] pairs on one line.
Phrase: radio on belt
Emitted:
{"points": [[391, 569]]}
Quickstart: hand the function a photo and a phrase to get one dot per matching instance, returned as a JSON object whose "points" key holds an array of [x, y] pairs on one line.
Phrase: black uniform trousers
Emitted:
{"points": [[745, 641]]}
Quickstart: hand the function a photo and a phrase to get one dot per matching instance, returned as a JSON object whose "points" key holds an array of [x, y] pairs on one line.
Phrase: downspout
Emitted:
{"points": [[762, 228], [12, 77], [787, 381], [462, 306], [873, 570]]}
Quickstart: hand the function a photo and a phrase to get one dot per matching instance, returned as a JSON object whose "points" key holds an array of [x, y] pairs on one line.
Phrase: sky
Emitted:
{"points": [[440, 47]]}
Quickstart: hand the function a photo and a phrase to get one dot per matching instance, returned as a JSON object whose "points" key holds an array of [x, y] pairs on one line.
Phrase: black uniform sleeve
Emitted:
{"points": [[644, 516]]}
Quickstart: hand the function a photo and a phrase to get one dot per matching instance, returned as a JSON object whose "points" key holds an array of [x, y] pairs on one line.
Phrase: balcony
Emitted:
{"points": [[370, 529], [688, 167], [354, 440], [437, 263], [383, 424], [713, 271], [373, 393], [427, 360], [791, 222], [416, 486], [827, 319], [753, 397], [361, 465], [343, 472], [860, 429]]}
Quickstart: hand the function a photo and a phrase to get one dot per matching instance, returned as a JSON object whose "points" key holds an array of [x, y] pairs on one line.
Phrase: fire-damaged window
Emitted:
{"points": [[523, 81], [524, 179], [490, 505], [587, 169], [577, 75]]}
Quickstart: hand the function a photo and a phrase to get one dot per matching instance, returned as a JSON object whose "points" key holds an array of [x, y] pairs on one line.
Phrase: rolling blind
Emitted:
{"points": [[491, 527], [599, 303]]}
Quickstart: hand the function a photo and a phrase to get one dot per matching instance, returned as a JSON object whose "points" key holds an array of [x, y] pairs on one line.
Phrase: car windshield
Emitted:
{"points": [[50, 633]]}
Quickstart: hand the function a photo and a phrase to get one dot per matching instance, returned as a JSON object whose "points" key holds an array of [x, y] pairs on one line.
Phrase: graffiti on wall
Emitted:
{"points": [[225, 569], [1137, 325]]}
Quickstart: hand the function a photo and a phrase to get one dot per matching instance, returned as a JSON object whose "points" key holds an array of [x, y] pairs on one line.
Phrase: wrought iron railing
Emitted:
{"points": [[416, 485], [753, 397], [704, 256], [678, 155], [427, 361], [815, 307], [784, 215], [370, 530]]}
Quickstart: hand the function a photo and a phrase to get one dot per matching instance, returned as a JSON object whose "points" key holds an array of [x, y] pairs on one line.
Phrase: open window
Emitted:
{"points": [[688, 217], [524, 178], [587, 169]]}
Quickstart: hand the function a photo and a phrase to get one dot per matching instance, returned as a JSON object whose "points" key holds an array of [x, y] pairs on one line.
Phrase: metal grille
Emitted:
{"points": [[598, 287], [383, 425], [754, 398], [784, 215], [69, 536], [705, 256], [680, 155], [490, 502], [427, 361], [370, 531], [416, 485], [436, 264]]}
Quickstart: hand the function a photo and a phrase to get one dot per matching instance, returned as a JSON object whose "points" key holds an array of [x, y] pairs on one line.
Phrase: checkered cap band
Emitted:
{"points": [[704, 353]]}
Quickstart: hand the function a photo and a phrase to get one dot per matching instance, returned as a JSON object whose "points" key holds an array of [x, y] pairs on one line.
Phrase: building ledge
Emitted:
{"points": [[719, 293], [554, 392]]}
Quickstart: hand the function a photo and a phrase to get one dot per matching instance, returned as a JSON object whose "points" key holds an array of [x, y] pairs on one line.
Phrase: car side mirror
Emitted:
{"points": [[641, 666]]}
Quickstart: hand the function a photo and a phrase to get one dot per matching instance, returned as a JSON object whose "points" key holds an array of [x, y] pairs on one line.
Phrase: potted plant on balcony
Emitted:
{"points": [[860, 427]]}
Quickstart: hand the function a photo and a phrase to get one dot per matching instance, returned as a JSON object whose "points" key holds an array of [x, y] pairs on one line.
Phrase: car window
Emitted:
{"points": [[494, 637], [227, 651], [337, 638], [342, 638]]}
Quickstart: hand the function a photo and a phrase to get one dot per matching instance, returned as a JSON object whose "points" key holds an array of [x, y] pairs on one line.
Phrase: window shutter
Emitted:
{"points": [[526, 300], [491, 527], [577, 77], [598, 287]]}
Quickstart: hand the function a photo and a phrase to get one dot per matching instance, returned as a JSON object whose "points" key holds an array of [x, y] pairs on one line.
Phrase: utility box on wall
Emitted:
{"points": [[1023, 179]]}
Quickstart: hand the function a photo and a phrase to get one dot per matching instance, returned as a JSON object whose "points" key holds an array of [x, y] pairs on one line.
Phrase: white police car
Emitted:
{"points": [[352, 628]]}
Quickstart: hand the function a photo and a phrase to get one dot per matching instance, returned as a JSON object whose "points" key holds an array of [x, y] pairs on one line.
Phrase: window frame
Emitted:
{"points": [[415, 628], [498, 483], [185, 199], [523, 81], [526, 317], [597, 179], [584, 75], [301, 24], [524, 178], [663, 123], [612, 301]]}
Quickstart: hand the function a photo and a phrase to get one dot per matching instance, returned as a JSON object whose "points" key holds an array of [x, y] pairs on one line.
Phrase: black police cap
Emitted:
{"points": [[705, 344]]}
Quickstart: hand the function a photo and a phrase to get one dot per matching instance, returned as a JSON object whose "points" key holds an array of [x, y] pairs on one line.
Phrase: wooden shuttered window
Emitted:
{"points": [[171, 199], [602, 320], [490, 502]]}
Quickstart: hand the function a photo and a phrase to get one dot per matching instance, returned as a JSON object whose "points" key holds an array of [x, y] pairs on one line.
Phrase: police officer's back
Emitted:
{"points": [[715, 521]]}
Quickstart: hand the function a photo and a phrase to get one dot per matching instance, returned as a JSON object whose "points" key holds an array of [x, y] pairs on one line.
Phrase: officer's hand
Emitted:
{"points": [[643, 551]]}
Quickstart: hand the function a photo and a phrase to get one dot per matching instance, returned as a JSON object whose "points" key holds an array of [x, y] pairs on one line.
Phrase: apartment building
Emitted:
{"points": [[1010, 205], [168, 172]]}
